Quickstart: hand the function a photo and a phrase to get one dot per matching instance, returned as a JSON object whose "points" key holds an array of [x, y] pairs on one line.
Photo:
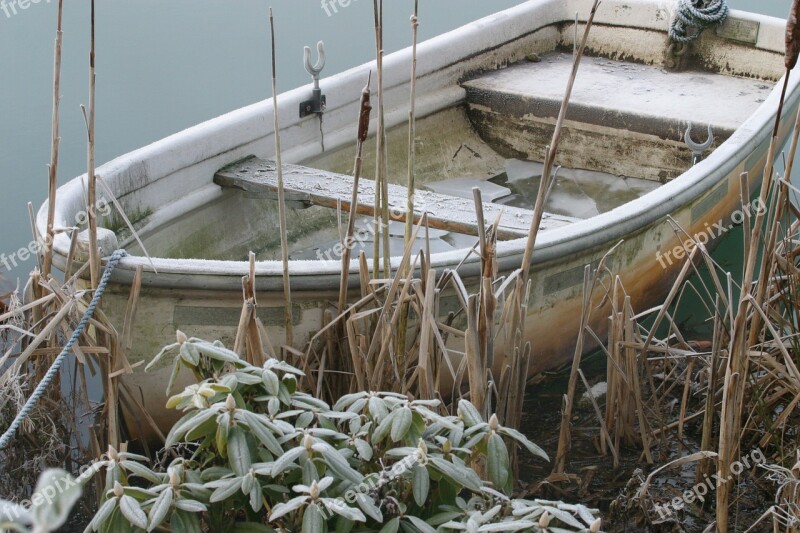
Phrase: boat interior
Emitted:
{"points": [[624, 136]]}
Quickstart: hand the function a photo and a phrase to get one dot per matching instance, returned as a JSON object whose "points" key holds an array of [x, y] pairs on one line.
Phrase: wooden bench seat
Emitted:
{"points": [[624, 118], [308, 186]]}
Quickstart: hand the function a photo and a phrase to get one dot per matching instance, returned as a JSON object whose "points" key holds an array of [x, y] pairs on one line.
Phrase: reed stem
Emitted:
{"points": [[412, 124], [94, 256], [56, 140], [363, 132], [381, 216], [550, 157], [287, 289]]}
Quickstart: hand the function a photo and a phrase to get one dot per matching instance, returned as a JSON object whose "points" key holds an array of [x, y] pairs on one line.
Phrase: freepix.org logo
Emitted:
{"points": [[331, 7], [12, 7]]}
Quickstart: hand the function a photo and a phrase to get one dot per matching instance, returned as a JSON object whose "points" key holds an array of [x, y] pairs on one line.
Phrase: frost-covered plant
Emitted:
{"points": [[266, 455], [47, 510]]}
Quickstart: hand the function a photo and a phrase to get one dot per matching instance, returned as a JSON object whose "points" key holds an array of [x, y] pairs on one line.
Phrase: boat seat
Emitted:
{"points": [[624, 118], [304, 186]]}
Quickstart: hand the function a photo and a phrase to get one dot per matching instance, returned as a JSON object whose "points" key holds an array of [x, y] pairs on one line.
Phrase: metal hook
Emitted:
{"points": [[698, 149], [318, 101], [316, 69]]}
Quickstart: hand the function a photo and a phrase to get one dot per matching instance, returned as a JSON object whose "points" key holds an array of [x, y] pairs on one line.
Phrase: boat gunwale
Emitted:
{"points": [[592, 233]]}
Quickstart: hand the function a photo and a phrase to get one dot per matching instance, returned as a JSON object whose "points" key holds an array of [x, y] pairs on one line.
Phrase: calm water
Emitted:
{"points": [[164, 65]]}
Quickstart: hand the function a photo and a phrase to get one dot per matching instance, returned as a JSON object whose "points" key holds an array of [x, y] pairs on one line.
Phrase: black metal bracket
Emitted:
{"points": [[315, 105]]}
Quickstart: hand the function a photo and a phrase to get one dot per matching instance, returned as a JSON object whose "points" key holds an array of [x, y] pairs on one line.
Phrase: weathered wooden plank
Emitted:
{"points": [[310, 186], [620, 94]]}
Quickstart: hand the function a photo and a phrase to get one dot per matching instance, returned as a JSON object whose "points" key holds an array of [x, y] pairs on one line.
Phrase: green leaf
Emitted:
{"points": [[221, 438], [367, 504], [392, 526], [132, 511], [174, 401], [401, 423], [286, 460], [345, 401], [305, 419], [262, 431], [54, 511], [271, 382], [188, 352], [187, 423], [402, 451], [439, 519], [313, 520], [273, 406], [305, 401], [448, 491], [377, 408], [117, 523], [343, 525], [510, 525], [217, 352], [382, 431], [522, 439], [284, 508], [435, 417], [213, 473], [310, 473], [497, 461], [456, 435], [104, 513], [342, 509], [289, 385], [160, 508], [238, 451], [469, 413], [364, 449], [185, 522], [256, 497], [245, 378], [564, 517], [140, 494], [173, 376], [202, 430], [463, 476], [337, 463], [192, 506], [140, 470], [420, 524], [13, 516], [225, 488], [165, 350], [357, 406], [421, 483]]}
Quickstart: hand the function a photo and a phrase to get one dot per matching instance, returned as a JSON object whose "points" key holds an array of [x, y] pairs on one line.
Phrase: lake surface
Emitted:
{"points": [[165, 65]]}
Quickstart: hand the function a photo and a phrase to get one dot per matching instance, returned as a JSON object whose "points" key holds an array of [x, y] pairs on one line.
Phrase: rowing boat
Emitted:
{"points": [[488, 95]]}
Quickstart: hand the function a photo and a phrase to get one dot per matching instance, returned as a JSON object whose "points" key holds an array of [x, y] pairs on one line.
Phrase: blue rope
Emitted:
{"points": [[699, 14], [53, 371]]}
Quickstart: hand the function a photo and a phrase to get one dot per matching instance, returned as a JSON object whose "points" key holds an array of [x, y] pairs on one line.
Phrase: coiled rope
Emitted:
{"points": [[697, 14], [51, 373]]}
